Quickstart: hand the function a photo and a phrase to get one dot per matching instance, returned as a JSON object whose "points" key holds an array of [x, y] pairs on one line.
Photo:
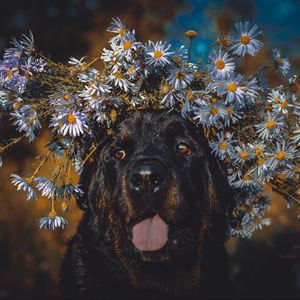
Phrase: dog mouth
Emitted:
{"points": [[150, 234], [155, 241]]}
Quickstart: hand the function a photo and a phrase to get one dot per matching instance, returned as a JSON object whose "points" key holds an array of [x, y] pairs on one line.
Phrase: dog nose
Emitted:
{"points": [[149, 178]]}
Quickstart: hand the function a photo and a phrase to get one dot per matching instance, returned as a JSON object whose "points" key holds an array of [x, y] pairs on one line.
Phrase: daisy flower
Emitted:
{"points": [[63, 98], [24, 185], [281, 155], [270, 127], [27, 121], [67, 191], [209, 113], [128, 44], [242, 154], [281, 64], [244, 41], [233, 114], [46, 186], [296, 136], [53, 221], [258, 223], [117, 27], [78, 63], [180, 78], [246, 180], [72, 123], [220, 63], [158, 54], [118, 79], [231, 86], [223, 146]]}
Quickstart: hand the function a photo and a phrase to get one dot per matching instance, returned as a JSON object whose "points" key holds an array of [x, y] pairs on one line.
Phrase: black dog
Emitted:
{"points": [[155, 220]]}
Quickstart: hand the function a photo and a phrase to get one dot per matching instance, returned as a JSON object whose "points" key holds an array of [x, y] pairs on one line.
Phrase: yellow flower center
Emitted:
{"points": [[297, 170], [118, 75], [283, 104], [158, 54], [131, 70], [229, 110], [180, 75], [214, 110], [91, 83], [71, 119], [246, 177], [244, 154], [270, 124], [17, 105], [127, 45], [260, 161], [122, 31], [280, 61], [214, 100], [280, 155], [30, 120], [9, 73], [220, 64], [276, 100], [66, 97], [165, 88], [190, 95], [231, 87], [258, 151], [245, 39], [113, 114], [223, 145]]}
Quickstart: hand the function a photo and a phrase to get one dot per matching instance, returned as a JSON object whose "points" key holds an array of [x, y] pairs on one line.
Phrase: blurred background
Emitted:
{"points": [[268, 265]]}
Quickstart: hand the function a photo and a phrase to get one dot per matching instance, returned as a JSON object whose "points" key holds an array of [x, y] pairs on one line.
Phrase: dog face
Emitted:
{"points": [[155, 194]]}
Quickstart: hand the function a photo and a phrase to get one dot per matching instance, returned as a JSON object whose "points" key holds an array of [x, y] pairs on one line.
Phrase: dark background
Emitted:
{"points": [[267, 265]]}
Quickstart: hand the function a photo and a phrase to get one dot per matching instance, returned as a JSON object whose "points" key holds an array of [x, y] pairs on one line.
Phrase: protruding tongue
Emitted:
{"points": [[150, 234]]}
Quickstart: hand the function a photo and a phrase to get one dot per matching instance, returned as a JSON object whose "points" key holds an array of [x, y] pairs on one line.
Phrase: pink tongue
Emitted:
{"points": [[150, 234]]}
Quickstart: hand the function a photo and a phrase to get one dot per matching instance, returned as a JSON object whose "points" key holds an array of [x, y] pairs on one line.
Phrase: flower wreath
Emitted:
{"points": [[253, 127]]}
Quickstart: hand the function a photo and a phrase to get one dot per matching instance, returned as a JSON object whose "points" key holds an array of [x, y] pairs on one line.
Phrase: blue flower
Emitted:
{"points": [[27, 121], [281, 155], [232, 86], [47, 187], [117, 27], [281, 64], [210, 113], [180, 78], [71, 123], [67, 191], [25, 185], [128, 46], [242, 154], [270, 127], [296, 136], [245, 40], [53, 222], [223, 145], [158, 54], [220, 63]]}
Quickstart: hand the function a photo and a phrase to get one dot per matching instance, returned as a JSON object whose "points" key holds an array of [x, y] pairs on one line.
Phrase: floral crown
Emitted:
{"points": [[252, 127]]}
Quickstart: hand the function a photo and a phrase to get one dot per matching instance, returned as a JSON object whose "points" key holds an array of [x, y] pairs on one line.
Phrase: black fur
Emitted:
{"points": [[101, 261]]}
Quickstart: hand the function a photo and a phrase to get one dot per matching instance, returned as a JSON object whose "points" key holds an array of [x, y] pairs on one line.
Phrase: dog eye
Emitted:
{"points": [[120, 154], [184, 149]]}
